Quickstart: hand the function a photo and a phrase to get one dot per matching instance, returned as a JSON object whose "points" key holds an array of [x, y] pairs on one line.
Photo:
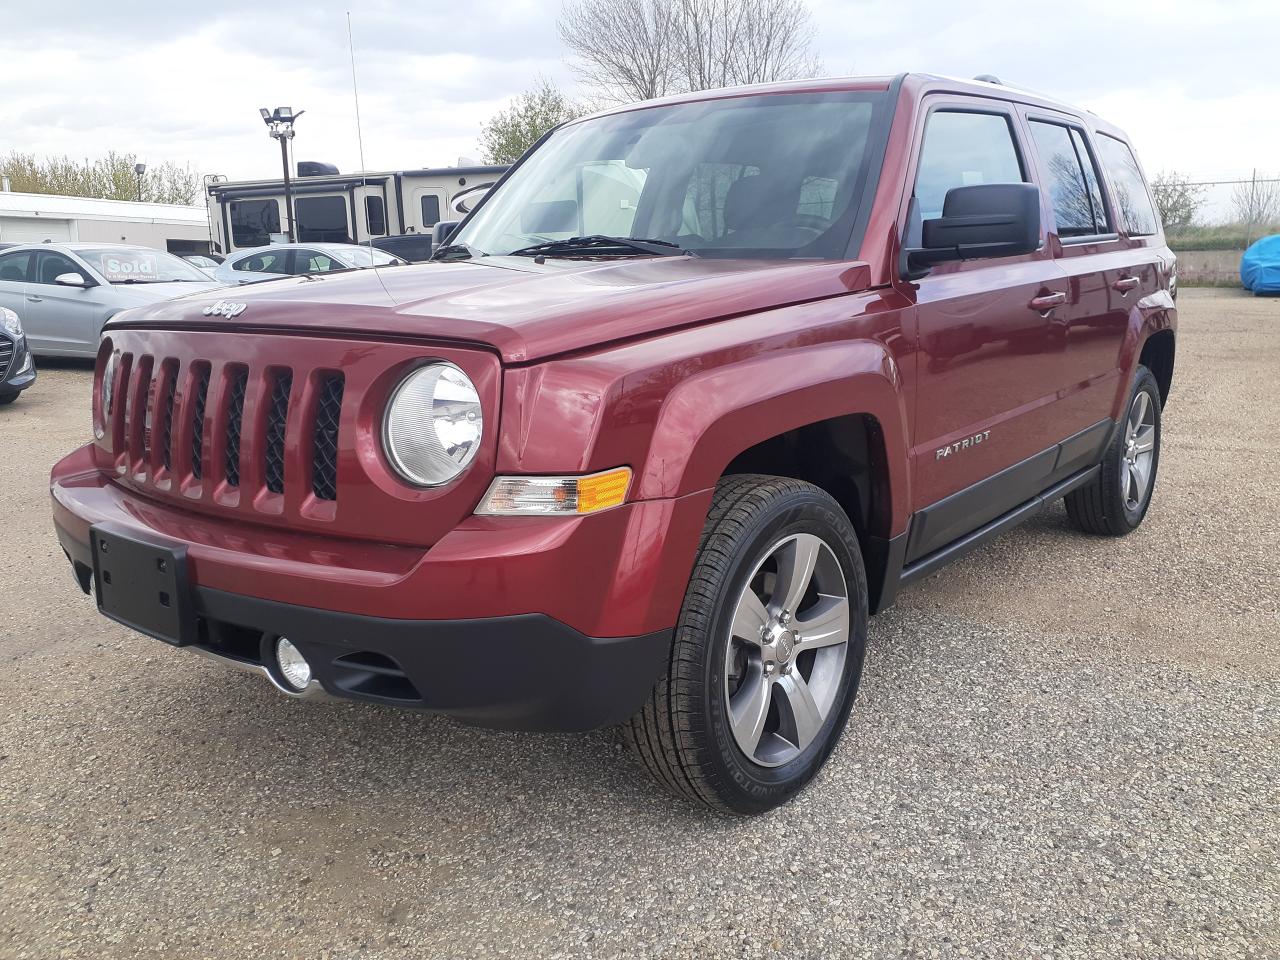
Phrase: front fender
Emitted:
{"points": [[712, 416]]}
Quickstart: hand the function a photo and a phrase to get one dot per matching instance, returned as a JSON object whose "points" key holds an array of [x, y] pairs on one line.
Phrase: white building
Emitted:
{"points": [[34, 217]]}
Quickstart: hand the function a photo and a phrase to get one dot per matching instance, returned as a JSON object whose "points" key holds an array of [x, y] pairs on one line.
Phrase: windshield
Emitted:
{"points": [[780, 175], [140, 265], [364, 257]]}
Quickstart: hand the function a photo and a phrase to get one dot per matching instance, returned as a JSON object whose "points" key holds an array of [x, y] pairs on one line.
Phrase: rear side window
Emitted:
{"points": [[13, 267], [1072, 182], [963, 150], [321, 219], [1134, 203], [375, 215], [253, 222]]}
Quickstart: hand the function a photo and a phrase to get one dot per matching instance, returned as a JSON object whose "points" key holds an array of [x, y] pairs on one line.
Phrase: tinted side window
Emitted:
{"points": [[13, 266], [276, 261], [1090, 165], [50, 266], [321, 219], [963, 150], [253, 221], [1136, 213], [430, 209], [1075, 208], [312, 261], [375, 216]]}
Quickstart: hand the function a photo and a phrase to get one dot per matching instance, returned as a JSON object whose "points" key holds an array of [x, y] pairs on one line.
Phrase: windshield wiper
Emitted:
{"points": [[598, 243], [455, 251]]}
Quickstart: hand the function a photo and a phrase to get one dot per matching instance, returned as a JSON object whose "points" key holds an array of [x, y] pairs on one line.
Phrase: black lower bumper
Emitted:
{"points": [[15, 378], [528, 672]]}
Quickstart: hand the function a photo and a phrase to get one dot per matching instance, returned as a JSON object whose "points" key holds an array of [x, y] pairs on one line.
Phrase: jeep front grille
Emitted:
{"points": [[163, 429]]}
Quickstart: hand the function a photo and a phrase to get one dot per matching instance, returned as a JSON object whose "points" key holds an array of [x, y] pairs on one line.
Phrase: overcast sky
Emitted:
{"points": [[1194, 83]]}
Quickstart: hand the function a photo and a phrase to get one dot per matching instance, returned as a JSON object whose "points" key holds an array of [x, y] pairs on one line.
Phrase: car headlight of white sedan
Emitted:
{"points": [[11, 325]]}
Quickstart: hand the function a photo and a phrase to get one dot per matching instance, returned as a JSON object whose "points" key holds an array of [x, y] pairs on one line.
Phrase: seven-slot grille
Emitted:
{"points": [[6, 355], [174, 424]]}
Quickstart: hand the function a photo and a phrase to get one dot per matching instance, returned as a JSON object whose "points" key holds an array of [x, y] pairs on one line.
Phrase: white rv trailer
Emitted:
{"points": [[36, 217], [343, 208]]}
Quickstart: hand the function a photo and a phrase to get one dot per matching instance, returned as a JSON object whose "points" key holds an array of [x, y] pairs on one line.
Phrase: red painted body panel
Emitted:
{"points": [[671, 366]]}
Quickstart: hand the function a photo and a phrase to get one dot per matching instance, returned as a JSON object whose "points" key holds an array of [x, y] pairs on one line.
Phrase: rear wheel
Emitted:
{"points": [[767, 653], [1116, 501]]}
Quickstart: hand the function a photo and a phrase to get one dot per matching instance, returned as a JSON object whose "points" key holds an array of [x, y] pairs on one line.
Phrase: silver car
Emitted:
{"points": [[65, 292], [294, 259]]}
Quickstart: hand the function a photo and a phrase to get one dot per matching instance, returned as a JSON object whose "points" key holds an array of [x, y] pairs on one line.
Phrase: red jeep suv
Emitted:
{"points": [[692, 392]]}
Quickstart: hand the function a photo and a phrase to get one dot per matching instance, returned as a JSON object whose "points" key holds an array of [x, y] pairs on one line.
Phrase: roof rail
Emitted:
{"points": [[989, 78]]}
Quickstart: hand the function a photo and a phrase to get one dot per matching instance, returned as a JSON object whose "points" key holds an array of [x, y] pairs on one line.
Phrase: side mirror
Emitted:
{"points": [[987, 220], [444, 230], [70, 280]]}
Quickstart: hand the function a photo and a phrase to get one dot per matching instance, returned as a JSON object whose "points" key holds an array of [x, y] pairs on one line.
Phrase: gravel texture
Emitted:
{"points": [[1063, 747]]}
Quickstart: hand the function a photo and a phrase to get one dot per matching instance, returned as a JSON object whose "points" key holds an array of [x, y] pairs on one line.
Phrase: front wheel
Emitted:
{"points": [[767, 652]]}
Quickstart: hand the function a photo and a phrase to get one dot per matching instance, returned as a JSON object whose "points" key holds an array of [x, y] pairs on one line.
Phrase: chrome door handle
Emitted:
{"points": [[1125, 284], [1047, 302], [31, 299]]}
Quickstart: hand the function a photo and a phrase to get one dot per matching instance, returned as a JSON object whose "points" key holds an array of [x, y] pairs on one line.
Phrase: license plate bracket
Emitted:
{"points": [[143, 584]]}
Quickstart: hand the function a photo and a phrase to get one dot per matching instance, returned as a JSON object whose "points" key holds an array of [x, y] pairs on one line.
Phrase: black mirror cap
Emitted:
{"points": [[985, 220], [444, 230]]}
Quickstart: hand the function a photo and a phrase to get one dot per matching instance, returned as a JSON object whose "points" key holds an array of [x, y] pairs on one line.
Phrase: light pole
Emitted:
{"points": [[280, 125], [138, 170]]}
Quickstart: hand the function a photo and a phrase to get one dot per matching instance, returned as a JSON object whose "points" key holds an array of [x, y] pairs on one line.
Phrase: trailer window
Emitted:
{"points": [[253, 222], [375, 216], [430, 209], [321, 219]]}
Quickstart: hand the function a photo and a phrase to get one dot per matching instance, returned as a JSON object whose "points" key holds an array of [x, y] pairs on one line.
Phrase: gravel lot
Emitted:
{"points": [[1063, 746]]}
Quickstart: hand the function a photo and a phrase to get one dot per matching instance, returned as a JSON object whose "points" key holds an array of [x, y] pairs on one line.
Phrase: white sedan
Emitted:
{"points": [[295, 259]]}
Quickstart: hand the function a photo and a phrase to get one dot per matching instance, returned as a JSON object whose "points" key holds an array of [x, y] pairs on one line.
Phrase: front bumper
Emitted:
{"points": [[527, 672]]}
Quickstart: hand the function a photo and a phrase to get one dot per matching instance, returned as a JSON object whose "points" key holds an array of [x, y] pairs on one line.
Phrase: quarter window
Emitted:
{"points": [[253, 222], [375, 216], [321, 219], [1071, 180], [964, 150], [1132, 199]]}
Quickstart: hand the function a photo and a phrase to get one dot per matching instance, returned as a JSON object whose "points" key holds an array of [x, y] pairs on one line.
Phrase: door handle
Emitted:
{"points": [[31, 299], [1048, 301], [1125, 284]]}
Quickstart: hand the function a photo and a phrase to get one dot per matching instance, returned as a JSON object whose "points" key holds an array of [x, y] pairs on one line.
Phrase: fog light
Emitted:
{"points": [[293, 665]]}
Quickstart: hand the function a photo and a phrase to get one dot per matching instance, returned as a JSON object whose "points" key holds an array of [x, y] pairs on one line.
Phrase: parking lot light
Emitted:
{"points": [[280, 127]]}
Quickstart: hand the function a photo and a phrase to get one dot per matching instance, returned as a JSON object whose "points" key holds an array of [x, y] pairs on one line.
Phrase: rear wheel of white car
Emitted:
{"points": [[767, 652]]}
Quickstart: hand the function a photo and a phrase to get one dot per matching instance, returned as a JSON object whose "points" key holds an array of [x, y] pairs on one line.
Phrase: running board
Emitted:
{"points": [[971, 541]]}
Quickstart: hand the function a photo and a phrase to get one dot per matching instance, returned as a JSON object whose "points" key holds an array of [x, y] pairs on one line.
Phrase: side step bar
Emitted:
{"points": [[940, 558]]}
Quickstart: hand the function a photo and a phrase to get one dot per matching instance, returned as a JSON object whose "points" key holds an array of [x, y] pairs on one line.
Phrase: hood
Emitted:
{"points": [[138, 294], [522, 309]]}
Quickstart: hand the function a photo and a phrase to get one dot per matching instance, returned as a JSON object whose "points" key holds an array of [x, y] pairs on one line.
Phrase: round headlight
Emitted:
{"points": [[433, 425]]}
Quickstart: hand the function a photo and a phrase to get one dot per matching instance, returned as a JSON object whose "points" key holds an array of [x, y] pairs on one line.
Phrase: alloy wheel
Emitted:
{"points": [[786, 651], [1138, 457]]}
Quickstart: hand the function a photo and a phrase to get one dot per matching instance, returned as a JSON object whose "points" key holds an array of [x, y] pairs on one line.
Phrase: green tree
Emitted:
{"points": [[107, 178], [510, 132]]}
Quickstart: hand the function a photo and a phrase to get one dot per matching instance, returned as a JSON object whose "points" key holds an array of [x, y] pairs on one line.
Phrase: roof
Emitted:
{"points": [[91, 208]]}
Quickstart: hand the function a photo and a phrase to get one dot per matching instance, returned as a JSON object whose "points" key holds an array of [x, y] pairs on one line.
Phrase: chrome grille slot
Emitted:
{"points": [[324, 450], [277, 419], [201, 387], [235, 416]]}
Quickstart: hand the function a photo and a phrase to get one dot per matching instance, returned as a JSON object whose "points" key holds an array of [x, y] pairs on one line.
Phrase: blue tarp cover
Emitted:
{"points": [[1260, 266]]}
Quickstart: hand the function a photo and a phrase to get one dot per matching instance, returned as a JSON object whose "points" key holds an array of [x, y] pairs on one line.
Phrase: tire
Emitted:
{"points": [[758, 530], [1103, 506]]}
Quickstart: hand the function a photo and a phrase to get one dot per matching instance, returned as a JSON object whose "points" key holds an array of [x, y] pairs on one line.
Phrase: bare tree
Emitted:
{"points": [[1257, 201], [1177, 199], [639, 49], [625, 49]]}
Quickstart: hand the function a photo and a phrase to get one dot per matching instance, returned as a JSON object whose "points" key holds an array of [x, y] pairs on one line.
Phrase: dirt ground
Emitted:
{"points": [[1063, 746]]}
